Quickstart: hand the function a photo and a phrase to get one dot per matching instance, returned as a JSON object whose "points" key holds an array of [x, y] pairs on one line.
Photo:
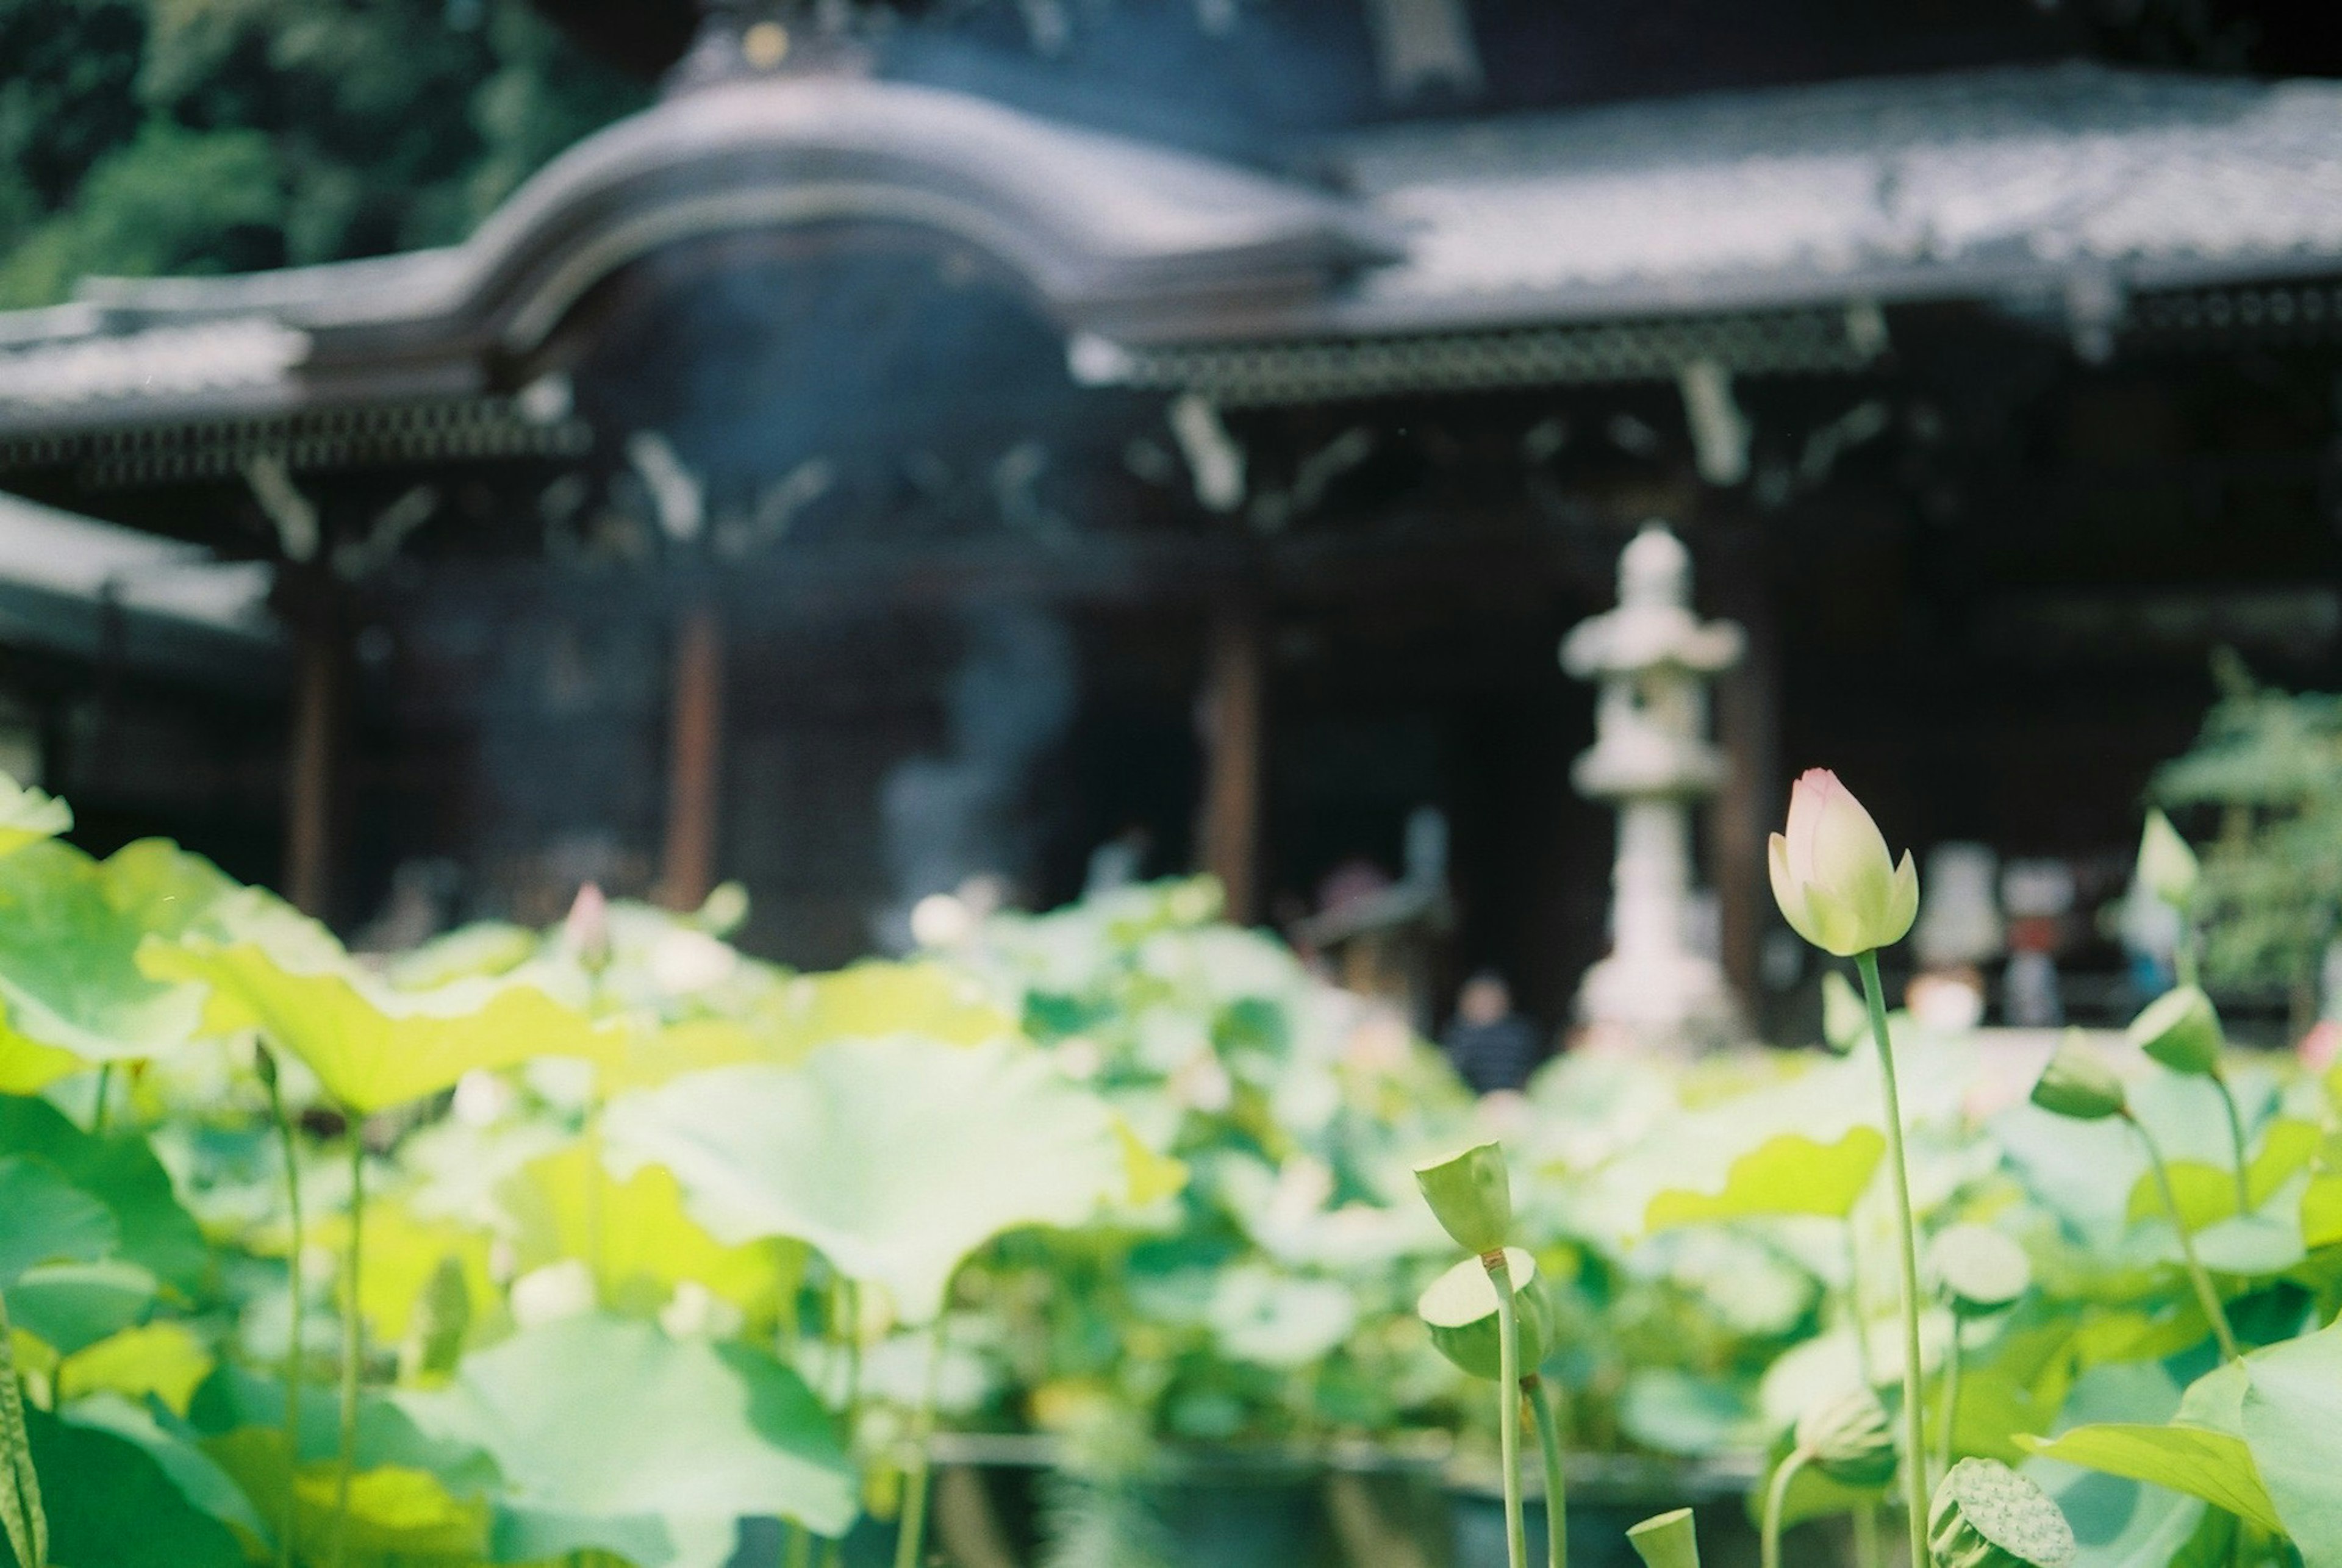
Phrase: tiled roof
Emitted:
{"points": [[1896, 187]]}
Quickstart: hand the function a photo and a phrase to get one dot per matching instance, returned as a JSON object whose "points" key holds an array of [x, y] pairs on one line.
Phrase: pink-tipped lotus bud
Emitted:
{"points": [[1832, 875], [585, 931]]}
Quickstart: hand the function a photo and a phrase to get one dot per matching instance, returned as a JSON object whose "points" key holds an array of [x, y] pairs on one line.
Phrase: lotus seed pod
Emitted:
{"points": [[2180, 1030], [1985, 1515], [1470, 1195], [1982, 1271], [2166, 865], [2079, 1084], [1848, 1440], [1666, 1541], [1460, 1310]]}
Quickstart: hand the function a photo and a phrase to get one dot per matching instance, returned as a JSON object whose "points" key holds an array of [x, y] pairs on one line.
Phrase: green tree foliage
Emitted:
{"points": [[149, 136], [2269, 769]]}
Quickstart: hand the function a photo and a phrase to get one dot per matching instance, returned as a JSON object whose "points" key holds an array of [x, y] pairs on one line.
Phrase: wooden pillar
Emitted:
{"points": [[1748, 726], [695, 761], [1234, 697], [313, 750]]}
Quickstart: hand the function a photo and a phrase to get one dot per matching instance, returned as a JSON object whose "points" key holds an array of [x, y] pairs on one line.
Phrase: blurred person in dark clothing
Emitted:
{"points": [[1491, 1046]]}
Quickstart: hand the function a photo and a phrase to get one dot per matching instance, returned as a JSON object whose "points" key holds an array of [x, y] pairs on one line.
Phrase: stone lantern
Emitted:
{"points": [[1652, 760]]}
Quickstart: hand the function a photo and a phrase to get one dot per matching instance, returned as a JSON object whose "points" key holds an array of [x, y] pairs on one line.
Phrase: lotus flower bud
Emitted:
{"points": [[1460, 1310], [1848, 1440], [1982, 1271], [2079, 1084], [585, 931], [1470, 1195], [1832, 875], [2166, 867], [1985, 1515], [1666, 1541], [2180, 1030]]}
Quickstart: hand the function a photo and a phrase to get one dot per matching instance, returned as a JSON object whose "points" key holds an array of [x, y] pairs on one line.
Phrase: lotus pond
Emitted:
{"points": [[1109, 1238]]}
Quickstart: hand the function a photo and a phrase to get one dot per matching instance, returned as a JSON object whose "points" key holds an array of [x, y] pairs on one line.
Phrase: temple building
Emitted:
{"points": [[930, 446]]}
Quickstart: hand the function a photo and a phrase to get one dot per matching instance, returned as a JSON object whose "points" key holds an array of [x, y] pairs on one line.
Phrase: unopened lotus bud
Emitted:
{"points": [[1848, 1440], [1833, 877], [1846, 1018], [2079, 1084], [2167, 867], [1460, 1310], [436, 1326], [1470, 1195], [2181, 1030], [1666, 1541], [585, 932], [1985, 1515], [1982, 1272]]}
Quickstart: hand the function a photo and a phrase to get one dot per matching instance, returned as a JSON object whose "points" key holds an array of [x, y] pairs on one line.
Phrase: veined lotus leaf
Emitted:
{"points": [[610, 1435], [233, 1402], [70, 927], [110, 1503], [2200, 1452], [2120, 1523], [398, 1514], [370, 1045], [49, 1219], [650, 1056], [646, 1244], [122, 1172], [876, 999], [28, 815], [2321, 1211], [1786, 1174], [486, 948], [195, 1473], [2292, 1421], [2207, 1193], [403, 1251], [72, 1307], [163, 1359], [895, 1157]]}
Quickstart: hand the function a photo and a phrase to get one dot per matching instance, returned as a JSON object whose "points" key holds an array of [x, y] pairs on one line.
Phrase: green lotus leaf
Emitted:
{"points": [[198, 1476], [636, 1235], [70, 929], [398, 1513], [876, 999], [611, 1435], [1787, 1175], [2213, 1465], [2291, 1416], [896, 1157], [28, 815], [122, 1172], [72, 1307], [2207, 1192], [372, 1045], [49, 1219], [165, 1360], [110, 1503]]}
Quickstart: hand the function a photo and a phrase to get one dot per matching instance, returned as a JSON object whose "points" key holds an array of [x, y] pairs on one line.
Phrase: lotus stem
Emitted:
{"points": [[1915, 1464], [1557, 1492], [2205, 1296], [1866, 1552], [294, 1343], [2235, 1142], [26, 1521], [1508, 1413], [104, 1096], [797, 1551], [1776, 1497], [910, 1540], [1951, 1401], [352, 1334]]}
